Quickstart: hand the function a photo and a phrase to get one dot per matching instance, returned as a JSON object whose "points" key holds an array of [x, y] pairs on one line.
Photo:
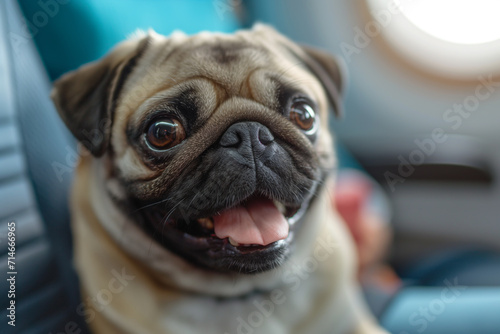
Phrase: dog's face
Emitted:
{"points": [[216, 143]]}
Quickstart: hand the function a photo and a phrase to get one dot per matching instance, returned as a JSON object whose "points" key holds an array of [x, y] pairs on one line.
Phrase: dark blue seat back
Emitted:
{"points": [[36, 162]]}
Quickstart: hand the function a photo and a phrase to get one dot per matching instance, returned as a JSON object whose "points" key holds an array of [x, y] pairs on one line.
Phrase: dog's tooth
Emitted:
{"points": [[206, 223], [280, 207], [234, 243]]}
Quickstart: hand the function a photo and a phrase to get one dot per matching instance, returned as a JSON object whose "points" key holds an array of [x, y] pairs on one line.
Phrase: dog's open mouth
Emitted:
{"points": [[251, 236]]}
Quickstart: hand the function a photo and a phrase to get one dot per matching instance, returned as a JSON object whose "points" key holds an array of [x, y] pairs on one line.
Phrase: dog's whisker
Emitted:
{"points": [[152, 204]]}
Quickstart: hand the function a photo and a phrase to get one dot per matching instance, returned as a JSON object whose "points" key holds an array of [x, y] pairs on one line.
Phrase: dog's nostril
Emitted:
{"points": [[230, 139], [265, 136]]}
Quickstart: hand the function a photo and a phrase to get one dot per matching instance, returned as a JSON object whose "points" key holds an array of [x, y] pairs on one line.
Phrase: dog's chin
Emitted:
{"points": [[197, 240]]}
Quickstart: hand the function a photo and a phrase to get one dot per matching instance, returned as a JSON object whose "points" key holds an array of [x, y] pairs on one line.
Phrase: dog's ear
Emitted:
{"points": [[85, 98], [330, 71]]}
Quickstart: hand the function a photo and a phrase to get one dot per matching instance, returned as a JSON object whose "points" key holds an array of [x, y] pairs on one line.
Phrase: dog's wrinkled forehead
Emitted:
{"points": [[243, 65], [225, 52]]}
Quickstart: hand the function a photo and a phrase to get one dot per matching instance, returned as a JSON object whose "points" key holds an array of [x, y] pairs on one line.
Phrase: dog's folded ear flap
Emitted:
{"points": [[330, 71], [85, 97], [81, 98]]}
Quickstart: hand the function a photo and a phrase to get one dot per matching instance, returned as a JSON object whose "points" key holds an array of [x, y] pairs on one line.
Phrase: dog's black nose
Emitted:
{"points": [[247, 137]]}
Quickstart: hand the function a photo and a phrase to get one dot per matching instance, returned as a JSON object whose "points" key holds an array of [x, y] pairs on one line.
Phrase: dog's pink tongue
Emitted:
{"points": [[259, 222]]}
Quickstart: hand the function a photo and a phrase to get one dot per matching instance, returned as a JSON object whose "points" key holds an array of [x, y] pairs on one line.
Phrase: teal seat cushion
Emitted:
{"points": [[451, 309], [69, 33]]}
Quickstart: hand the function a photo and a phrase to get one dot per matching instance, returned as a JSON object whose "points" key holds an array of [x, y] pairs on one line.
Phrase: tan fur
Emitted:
{"points": [[168, 294]]}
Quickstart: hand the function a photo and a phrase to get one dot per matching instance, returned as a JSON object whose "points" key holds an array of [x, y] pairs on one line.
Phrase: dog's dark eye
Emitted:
{"points": [[165, 133], [303, 115]]}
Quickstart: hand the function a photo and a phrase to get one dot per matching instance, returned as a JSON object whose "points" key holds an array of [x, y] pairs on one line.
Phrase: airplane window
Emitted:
{"points": [[455, 38], [456, 21]]}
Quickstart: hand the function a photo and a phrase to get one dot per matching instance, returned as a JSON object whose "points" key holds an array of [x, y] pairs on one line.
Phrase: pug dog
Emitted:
{"points": [[200, 202]]}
